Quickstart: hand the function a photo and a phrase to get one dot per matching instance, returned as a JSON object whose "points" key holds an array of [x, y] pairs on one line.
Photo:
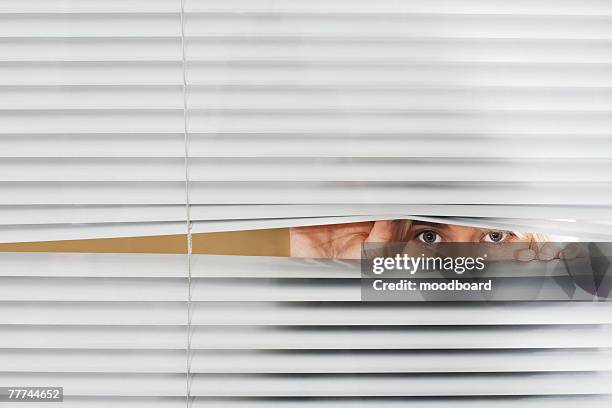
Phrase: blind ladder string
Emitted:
{"points": [[187, 211]]}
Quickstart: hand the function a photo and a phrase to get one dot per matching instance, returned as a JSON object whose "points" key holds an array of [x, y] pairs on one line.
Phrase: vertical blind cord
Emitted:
{"points": [[187, 210]]}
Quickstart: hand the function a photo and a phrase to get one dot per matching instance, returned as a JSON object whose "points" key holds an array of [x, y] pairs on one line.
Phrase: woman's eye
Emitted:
{"points": [[495, 236], [429, 237]]}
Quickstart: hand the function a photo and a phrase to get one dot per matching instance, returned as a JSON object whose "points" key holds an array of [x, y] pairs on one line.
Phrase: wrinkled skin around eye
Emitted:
{"points": [[344, 240]]}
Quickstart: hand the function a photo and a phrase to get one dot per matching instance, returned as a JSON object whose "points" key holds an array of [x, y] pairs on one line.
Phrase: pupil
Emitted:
{"points": [[429, 237]]}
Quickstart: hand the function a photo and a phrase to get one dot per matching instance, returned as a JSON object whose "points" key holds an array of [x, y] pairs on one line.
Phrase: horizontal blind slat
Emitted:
{"points": [[122, 313], [92, 73], [553, 7], [503, 384], [302, 314], [357, 313], [248, 289], [591, 217], [135, 24], [358, 73], [38, 97], [566, 401], [402, 338], [381, 97], [396, 120], [46, 193], [307, 169], [345, 24], [93, 289], [32, 97], [66, 214], [32, 231], [113, 229], [95, 384], [47, 265], [306, 338], [321, 144], [401, 362], [303, 48], [207, 385], [172, 361], [52, 49], [413, 193], [143, 120], [88, 6]]}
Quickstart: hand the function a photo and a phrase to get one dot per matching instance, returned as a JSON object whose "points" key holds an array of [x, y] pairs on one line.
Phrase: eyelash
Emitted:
{"points": [[439, 238]]}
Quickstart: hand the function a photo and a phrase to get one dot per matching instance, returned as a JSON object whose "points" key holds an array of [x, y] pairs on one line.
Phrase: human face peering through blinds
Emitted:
{"points": [[344, 240]]}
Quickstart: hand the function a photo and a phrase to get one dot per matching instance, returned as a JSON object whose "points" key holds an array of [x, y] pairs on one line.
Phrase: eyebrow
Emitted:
{"points": [[430, 224]]}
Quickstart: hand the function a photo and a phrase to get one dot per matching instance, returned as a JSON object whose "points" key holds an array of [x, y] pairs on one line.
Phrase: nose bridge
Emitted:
{"points": [[464, 234]]}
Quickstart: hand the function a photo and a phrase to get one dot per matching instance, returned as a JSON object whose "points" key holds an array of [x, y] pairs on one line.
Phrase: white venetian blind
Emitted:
{"points": [[111, 329], [91, 119], [464, 108], [297, 112]]}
